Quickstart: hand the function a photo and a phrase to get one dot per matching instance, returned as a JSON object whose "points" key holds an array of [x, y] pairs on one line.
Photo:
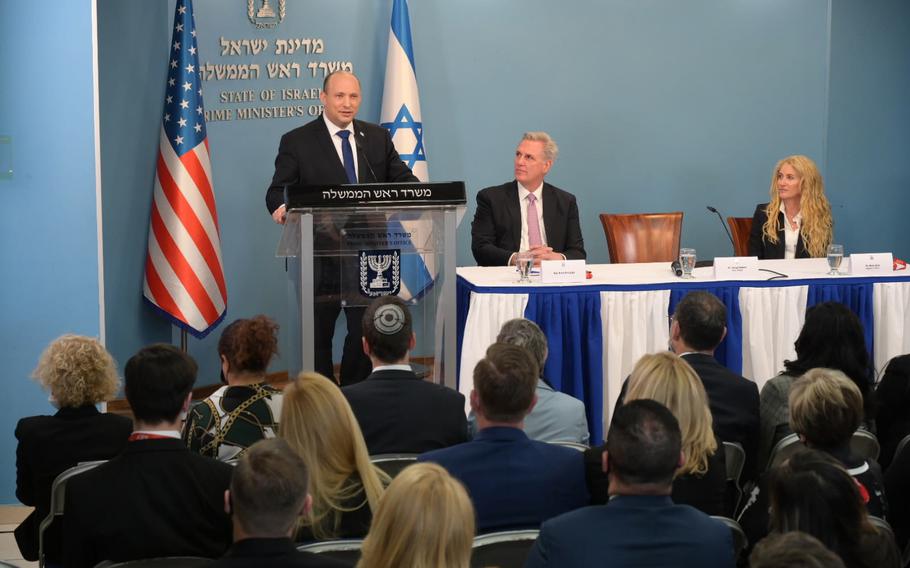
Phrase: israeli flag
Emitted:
{"points": [[401, 116]]}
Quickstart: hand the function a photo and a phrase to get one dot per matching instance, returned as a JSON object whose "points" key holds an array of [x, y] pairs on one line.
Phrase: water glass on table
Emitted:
{"points": [[524, 260], [687, 262], [835, 257]]}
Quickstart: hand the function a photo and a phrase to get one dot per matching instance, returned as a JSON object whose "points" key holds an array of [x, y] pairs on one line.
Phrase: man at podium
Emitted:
{"points": [[323, 152]]}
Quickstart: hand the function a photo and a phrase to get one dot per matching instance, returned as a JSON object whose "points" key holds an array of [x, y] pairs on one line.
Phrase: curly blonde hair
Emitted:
{"points": [[77, 371], [817, 229], [668, 379]]}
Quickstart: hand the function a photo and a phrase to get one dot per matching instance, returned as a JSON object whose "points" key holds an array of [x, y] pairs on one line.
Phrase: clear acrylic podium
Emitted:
{"points": [[353, 243]]}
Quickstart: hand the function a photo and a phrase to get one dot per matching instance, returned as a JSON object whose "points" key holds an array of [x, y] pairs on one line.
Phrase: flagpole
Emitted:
{"points": [[183, 335]]}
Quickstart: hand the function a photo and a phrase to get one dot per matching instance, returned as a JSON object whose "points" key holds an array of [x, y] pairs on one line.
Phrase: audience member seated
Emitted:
{"points": [[825, 409], [793, 549], [832, 337], [814, 494], [425, 520], [247, 409], [78, 373], [156, 498], [397, 411], [514, 482], [702, 480], [267, 496], [557, 417], [640, 526], [318, 424], [892, 422], [897, 488]]}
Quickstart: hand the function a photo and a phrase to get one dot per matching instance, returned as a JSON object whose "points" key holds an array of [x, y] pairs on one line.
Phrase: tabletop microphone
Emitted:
{"points": [[729, 236], [676, 268], [363, 155]]}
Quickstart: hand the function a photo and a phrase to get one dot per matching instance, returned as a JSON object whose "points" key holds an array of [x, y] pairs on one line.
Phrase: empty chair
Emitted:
{"points": [[740, 229], [505, 549], [58, 496], [643, 237], [346, 549], [392, 464], [864, 444], [735, 458], [786, 447], [739, 536]]}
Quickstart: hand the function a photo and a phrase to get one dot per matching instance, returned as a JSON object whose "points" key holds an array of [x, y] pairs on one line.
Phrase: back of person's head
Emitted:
{"points": [[268, 489], [158, 379], [318, 424], [671, 381], [505, 381], [893, 391], [425, 519], [702, 320], [643, 443], [249, 344], [525, 333], [826, 408], [832, 337], [794, 549], [387, 328], [813, 493], [77, 371]]}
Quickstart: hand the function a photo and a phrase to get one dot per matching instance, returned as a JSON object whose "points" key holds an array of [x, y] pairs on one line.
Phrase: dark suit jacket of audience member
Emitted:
{"points": [[897, 488], [515, 482], [763, 249], [155, 499], [400, 413], [273, 553], [892, 422], [704, 492], [48, 445], [633, 530], [496, 229]]}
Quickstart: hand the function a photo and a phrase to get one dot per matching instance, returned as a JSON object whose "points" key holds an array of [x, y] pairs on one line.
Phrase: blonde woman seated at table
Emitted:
{"points": [[319, 425], [797, 222], [425, 520]]}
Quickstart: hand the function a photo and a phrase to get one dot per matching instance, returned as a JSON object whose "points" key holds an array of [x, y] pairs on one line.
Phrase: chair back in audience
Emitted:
{"points": [[642, 237], [864, 444], [786, 447], [392, 464], [345, 549], [58, 497], [740, 542], [882, 526], [162, 562], [573, 445], [735, 459], [740, 229], [505, 549], [902, 446]]}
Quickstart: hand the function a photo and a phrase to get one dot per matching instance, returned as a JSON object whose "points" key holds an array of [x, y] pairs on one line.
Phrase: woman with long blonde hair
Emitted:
{"points": [[668, 379], [425, 520], [797, 222], [318, 424]]}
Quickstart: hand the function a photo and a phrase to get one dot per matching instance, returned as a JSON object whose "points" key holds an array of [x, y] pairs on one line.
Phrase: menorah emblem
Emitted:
{"points": [[379, 264], [386, 264]]}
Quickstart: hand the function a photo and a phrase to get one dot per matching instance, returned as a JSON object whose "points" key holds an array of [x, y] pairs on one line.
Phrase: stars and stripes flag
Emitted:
{"points": [[184, 274], [401, 116]]}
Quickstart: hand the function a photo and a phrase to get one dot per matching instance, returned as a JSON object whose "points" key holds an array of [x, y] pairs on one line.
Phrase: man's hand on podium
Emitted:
{"points": [[280, 215]]}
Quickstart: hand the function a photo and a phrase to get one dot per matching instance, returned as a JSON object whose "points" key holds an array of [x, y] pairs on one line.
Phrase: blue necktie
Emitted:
{"points": [[348, 154]]}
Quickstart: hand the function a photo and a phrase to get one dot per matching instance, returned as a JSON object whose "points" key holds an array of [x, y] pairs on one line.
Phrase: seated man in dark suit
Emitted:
{"points": [[640, 525], [268, 495], [397, 411], [527, 214], [514, 482], [156, 498]]}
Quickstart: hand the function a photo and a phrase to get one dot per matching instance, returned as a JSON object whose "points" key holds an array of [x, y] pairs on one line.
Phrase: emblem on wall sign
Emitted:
{"points": [[385, 268], [263, 14]]}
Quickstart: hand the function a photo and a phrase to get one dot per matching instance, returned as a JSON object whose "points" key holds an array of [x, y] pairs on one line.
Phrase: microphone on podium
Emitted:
{"points": [[729, 236]]}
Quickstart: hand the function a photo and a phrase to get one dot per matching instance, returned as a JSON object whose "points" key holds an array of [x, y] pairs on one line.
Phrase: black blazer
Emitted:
{"points": [[496, 229], [48, 445], [763, 249], [400, 413], [307, 155], [155, 499]]}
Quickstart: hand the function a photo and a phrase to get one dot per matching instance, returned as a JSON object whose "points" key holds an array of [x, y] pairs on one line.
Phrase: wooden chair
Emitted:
{"points": [[740, 228], [505, 549], [643, 237]]}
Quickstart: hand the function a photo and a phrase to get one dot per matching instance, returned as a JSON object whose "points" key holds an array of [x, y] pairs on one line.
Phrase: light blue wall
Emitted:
{"points": [[48, 235]]}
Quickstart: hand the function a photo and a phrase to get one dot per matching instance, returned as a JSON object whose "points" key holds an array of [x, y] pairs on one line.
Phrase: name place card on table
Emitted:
{"points": [[871, 264], [562, 271], [736, 268]]}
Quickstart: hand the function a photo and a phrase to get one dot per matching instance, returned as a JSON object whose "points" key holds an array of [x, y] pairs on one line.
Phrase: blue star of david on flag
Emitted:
{"points": [[405, 121]]}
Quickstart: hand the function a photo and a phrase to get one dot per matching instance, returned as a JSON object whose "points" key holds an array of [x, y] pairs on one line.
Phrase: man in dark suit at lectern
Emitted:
{"points": [[335, 149]]}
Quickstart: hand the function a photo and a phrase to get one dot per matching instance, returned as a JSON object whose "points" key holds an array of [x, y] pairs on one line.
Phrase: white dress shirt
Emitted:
{"points": [[791, 235], [336, 140]]}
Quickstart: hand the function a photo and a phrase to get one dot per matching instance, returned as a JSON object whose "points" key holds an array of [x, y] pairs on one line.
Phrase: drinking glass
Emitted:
{"points": [[524, 260], [835, 257], [687, 261]]}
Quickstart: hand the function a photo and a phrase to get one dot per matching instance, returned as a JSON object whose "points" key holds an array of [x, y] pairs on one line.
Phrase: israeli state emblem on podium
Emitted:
{"points": [[380, 272]]}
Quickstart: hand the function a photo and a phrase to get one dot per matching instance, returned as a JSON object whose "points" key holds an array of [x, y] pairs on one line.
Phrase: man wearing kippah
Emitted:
{"points": [[397, 411]]}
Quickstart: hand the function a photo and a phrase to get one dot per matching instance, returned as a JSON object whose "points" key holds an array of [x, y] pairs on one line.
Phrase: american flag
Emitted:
{"points": [[184, 274]]}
